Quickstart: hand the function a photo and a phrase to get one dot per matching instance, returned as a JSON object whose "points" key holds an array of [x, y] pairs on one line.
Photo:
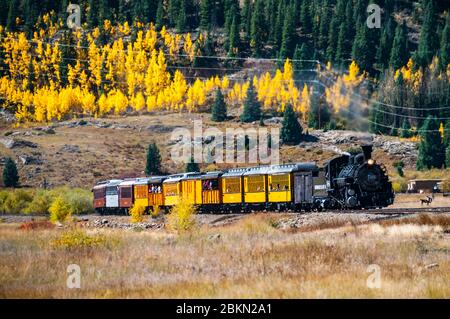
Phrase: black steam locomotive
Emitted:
{"points": [[356, 181]]}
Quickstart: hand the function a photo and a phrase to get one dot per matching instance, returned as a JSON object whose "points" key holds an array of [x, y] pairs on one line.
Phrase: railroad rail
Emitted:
{"points": [[393, 211]]}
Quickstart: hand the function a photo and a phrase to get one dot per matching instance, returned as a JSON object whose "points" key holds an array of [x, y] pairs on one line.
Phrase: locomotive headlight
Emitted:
{"points": [[371, 162]]}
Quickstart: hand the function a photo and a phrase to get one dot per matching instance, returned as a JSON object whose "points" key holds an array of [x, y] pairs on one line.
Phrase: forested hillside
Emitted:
{"points": [[317, 55]]}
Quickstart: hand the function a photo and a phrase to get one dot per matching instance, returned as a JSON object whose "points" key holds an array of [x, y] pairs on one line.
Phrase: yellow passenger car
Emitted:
{"points": [[255, 185], [149, 191], [172, 189], [233, 186], [280, 183], [140, 189], [191, 188], [211, 189]]}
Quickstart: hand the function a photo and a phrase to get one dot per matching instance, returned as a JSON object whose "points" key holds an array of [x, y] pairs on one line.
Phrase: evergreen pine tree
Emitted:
{"points": [[271, 18], [431, 148], [92, 18], [325, 22], [252, 107], [289, 36], [31, 13], [172, 12], [159, 23], [399, 52], [446, 139], [10, 174], [361, 51], [333, 35], [447, 157], [258, 29], [123, 11], [428, 41], [206, 8], [377, 125], [153, 165], [359, 11], [298, 64], [300, 55], [192, 166], [444, 53], [342, 46], [319, 115], [234, 41], [219, 108], [349, 22], [278, 30], [247, 17], [104, 11], [405, 131], [182, 19], [291, 130], [305, 16], [13, 13], [385, 46]]}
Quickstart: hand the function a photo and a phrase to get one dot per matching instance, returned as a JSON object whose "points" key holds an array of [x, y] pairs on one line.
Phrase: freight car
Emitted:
{"points": [[348, 181]]}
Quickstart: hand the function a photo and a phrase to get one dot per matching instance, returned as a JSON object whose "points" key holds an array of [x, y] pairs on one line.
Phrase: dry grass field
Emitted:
{"points": [[249, 258]]}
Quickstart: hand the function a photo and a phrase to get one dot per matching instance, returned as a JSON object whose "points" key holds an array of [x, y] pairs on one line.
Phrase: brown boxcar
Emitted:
{"points": [[126, 194], [99, 192]]}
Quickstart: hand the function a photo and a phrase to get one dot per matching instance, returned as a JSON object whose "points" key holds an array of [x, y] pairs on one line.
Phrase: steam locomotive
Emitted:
{"points": [[357, 181], [345, 182]]}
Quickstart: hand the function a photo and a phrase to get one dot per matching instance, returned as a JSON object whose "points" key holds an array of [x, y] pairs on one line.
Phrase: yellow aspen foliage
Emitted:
{"points": [[151, 38], [105, 79], [117, 101], [338, 95], [304, 106], [95, 64], [88, 103], [412, 78], [441, 130], [103, 105], [73, 73], [353, 77], [151, 103], [138, 102], [189, 47], [225, 83]]}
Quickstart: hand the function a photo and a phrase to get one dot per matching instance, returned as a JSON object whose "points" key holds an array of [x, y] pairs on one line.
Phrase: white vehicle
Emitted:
{"points": [[112, 194]]}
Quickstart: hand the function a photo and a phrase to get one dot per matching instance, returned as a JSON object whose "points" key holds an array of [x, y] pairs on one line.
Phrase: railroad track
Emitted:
{"points": [[401, 211]]}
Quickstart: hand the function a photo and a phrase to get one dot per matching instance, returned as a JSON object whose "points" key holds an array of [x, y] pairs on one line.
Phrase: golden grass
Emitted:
{"points": [[248, 259]]}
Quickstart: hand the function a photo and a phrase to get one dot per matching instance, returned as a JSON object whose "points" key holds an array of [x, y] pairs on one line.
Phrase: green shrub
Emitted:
{"points": [[80, 201], [41, 202], [16, 201], [3, 197]]}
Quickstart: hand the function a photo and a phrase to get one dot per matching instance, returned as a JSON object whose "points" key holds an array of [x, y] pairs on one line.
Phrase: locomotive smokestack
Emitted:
{"points": [[367, 150]]}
